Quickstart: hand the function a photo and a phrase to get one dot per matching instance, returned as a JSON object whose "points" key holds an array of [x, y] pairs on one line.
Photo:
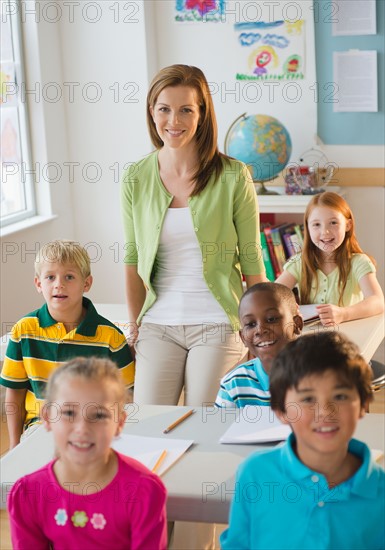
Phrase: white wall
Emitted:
{"points": [[112, 53], [49, 139], [213, 47], [107, 133]]}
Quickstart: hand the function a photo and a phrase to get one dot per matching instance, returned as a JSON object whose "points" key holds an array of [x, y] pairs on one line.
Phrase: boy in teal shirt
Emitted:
{"points": [[321, 489]]}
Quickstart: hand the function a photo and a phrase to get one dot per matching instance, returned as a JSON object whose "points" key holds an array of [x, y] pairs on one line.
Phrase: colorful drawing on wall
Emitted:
{"points": [[193, 11], [274, 51]]}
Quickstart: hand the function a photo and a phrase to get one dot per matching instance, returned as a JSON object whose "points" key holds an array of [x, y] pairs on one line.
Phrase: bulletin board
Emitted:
{"points": [[346, 128]]}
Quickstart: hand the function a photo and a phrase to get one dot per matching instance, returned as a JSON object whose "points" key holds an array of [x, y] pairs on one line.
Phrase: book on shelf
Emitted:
{"points": [[292, 239], [285, 230], [267, 231], [282, 242], [279, 250], [298, 228], [266, 258]]}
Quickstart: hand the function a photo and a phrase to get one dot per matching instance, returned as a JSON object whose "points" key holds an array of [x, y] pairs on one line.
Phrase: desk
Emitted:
{"points": [[200, 485], [366, 333]]}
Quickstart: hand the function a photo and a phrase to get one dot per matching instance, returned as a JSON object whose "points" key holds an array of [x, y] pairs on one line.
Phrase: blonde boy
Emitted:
{"points": [[66, 326]]}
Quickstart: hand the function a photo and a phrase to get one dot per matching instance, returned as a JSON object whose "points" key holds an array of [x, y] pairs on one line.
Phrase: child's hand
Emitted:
{"points": [[330, 314]]}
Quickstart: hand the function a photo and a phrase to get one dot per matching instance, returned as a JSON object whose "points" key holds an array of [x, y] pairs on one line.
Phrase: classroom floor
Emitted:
{"points": [[378, 406]]}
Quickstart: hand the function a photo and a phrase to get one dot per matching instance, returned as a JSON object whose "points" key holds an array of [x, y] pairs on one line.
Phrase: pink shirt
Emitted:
{"points": [[129, 513]]}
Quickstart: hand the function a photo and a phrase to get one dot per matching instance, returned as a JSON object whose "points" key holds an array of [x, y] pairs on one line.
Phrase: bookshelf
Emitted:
{"points": [[287, 204]]}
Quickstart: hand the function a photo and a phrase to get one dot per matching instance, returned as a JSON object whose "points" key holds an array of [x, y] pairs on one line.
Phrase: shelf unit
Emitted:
{"points": [[286, 204]]}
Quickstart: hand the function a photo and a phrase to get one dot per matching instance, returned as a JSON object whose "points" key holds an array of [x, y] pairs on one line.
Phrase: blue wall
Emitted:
{"points": [[347, 128]]}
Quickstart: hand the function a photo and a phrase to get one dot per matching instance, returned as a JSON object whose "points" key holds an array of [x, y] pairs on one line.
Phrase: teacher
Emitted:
{"points": [[191, 225]]}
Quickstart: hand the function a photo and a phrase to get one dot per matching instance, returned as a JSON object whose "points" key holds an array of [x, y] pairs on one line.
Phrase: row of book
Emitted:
{"points": [[279, 243]]}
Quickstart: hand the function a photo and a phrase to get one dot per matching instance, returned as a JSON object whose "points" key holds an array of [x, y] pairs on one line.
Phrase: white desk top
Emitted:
{"points": [[201, 483], [366, 333]]}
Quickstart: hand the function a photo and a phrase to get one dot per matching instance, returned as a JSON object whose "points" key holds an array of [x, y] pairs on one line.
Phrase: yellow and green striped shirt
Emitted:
{"points": [[39, 344]]}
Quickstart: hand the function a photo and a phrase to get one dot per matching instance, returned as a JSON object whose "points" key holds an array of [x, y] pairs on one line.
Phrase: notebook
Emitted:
{"points": [[255, 424], [309, 313], [147, 450]]}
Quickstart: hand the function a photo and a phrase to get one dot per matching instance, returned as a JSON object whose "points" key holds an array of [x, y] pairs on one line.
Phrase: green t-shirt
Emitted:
{"points": [[327, 292]]}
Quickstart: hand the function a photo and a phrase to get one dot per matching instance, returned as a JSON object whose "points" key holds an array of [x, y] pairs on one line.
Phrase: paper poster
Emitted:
{"points": [[354, 17], [271, 51], [192, 11], [355, 77]]}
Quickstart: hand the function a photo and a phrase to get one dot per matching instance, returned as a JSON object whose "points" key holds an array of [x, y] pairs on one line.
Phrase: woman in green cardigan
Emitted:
{"points": [[191, 225]]}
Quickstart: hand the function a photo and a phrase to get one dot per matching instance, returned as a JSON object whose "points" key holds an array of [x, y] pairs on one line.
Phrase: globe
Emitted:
{"points": [[261, 142]]}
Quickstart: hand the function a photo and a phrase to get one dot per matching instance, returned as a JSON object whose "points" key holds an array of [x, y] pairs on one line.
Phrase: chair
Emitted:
{"points": [[378, 380]]}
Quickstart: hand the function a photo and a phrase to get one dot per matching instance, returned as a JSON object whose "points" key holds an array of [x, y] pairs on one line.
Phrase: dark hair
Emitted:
{"points": [[210, 159], [281, 292], [315, 354]]}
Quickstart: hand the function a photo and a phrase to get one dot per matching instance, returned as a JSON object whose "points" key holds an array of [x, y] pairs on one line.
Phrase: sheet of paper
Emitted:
{"points": [[309, 312], [355, 80], [148, 449], [256, 425], [353, 17]]}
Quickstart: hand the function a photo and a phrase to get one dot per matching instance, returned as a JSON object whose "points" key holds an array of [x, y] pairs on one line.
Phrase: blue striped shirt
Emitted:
{"points": [[247, 384]]}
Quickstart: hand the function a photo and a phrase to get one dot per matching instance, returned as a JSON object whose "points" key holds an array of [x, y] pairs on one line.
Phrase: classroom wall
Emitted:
{"points": [[49, 138], [213, 47], [104, 134], [108, 133]]}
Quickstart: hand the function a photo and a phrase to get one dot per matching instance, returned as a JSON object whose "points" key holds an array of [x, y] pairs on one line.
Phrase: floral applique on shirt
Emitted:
{"points": [[98, 521], [61, 517], [79, 519]]}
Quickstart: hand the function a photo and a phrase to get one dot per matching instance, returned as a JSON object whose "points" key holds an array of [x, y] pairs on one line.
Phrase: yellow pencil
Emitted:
{"points": [[177, 422], [159, 461]]}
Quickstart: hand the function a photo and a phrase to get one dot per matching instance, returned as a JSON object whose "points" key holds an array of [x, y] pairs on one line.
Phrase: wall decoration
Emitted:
{"points": [[272, 51], [354, 18], [193, 11], [355, 77]]}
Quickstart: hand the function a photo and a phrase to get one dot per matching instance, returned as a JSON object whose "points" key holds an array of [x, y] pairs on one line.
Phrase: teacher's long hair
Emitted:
{"points": [[211, 161]]}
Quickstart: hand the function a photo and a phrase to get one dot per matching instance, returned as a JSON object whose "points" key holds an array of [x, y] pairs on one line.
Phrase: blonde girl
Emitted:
{"points": [[89, 496], [332, 270]]}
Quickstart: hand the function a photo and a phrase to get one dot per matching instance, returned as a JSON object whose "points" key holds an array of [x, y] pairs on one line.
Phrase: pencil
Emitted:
{"points": [[177, 422], [159, 461]]}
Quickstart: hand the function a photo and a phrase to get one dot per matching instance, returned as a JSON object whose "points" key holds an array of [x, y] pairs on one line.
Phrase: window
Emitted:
{"points": [[17, 185]]}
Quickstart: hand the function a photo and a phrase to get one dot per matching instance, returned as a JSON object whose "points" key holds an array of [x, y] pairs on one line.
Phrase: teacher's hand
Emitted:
{"points": [[132, 334]]}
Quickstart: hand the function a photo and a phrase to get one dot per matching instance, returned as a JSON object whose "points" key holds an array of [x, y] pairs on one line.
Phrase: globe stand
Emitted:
{"points": [[261, 190]]}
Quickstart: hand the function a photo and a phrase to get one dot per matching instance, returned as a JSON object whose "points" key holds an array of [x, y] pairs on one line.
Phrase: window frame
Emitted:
{"points": [[26, 164]]}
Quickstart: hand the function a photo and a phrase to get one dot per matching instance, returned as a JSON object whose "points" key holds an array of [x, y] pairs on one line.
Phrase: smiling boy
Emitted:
{"points": [[66, 326], [269, 318], [321, 489]]}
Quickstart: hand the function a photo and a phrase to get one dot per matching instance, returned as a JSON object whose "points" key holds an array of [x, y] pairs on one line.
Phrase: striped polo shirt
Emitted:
{"points": [[39, 344], [247, 384]]}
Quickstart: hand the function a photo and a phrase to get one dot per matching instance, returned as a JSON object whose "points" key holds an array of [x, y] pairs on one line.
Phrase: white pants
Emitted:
{"points": [[195, 357]]}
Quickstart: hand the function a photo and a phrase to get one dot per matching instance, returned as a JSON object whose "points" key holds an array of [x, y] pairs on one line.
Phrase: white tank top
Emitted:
{"points": [[183, 297]]}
